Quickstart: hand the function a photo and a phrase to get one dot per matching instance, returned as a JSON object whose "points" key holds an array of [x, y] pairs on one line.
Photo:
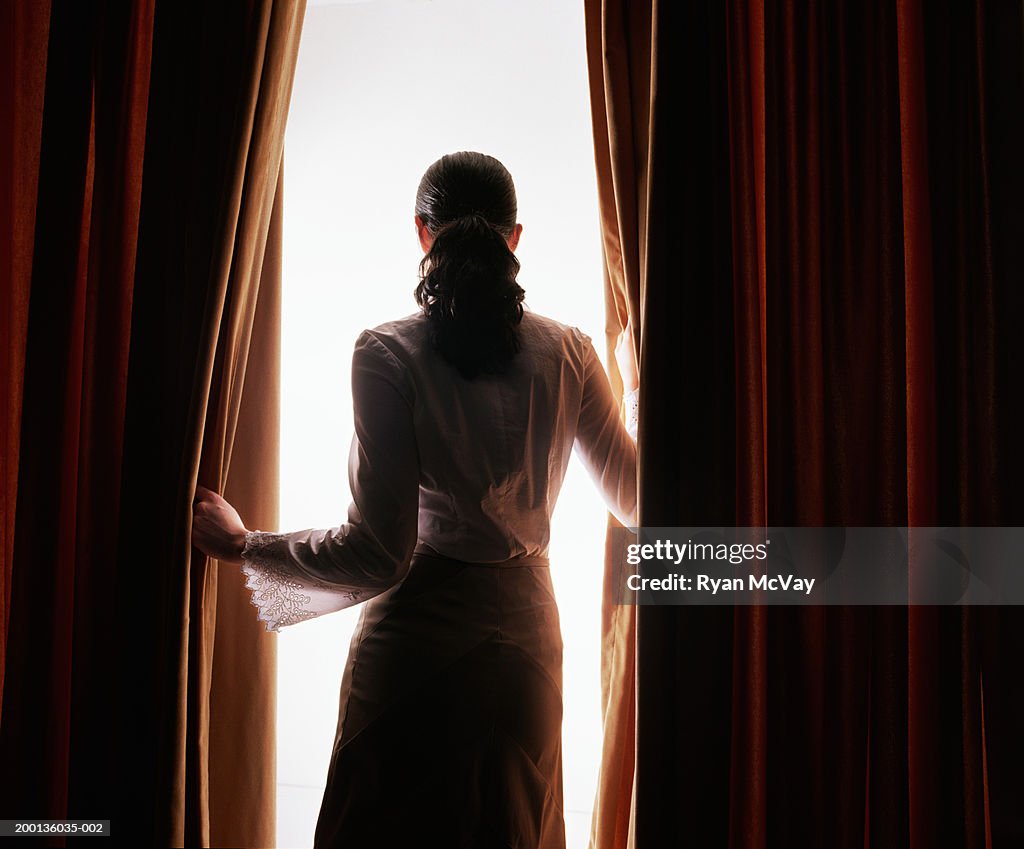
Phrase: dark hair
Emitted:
{"points": [[468, 287]]}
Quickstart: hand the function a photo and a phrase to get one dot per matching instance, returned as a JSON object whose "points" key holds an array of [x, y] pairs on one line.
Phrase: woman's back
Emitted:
{"points": [[493, 451]]}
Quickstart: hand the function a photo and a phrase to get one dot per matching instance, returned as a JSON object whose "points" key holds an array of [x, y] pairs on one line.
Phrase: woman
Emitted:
{"points": [[449, 728]]}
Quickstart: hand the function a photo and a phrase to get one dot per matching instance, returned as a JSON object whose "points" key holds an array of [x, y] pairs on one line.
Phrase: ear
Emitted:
{"points": [[513, 240], [423, 233]]}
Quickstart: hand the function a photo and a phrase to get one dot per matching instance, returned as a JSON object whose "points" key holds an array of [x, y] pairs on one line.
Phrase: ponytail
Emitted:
{"points": [[468, 286], [469, 292]]}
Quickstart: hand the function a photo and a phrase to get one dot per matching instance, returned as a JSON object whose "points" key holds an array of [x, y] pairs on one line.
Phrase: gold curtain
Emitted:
{"points": [[619, 61]]}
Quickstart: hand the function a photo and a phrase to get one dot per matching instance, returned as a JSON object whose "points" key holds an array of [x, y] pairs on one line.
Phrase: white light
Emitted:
{"points": [[377, 98]]}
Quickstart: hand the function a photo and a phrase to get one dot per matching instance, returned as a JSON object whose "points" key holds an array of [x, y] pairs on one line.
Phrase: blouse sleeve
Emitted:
{"points": [[606, 447], [304, 574]]}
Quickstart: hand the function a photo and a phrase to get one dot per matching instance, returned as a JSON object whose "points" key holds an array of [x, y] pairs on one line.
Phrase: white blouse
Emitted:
{"points": [[469, 469]]}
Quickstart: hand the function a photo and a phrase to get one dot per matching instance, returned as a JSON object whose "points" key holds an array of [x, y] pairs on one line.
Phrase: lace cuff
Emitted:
{"points": [[281, 594], [631, 401]]}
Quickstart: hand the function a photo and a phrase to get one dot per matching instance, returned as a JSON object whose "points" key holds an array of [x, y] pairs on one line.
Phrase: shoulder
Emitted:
{"points": [[389, 349], [551, 328], [401, 337], [569, 340], [401, 330], [545, 324]]}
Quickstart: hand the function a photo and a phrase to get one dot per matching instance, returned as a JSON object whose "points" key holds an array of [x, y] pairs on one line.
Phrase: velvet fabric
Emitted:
{"points": [[141, 307], [811, 214]]}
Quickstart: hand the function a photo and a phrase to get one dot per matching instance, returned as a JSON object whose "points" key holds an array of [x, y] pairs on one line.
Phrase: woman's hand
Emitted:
{"points": [[625, 358], [217, 529]]}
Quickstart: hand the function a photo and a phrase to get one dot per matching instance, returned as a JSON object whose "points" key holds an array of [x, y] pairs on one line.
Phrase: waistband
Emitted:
{"points": [[522, 560]]}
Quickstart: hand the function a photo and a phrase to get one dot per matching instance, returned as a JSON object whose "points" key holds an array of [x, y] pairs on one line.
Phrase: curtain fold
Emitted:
{"points": [[824, 296], [142, 283], [23, 62], [618, 64], [241, 754]]}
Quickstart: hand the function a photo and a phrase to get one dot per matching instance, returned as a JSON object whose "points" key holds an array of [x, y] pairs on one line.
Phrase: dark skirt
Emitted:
{"points": [[450, 722]]}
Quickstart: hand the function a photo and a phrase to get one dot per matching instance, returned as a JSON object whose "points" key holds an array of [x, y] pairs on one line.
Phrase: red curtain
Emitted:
{"points": [[142, 150], [826, 300]]}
